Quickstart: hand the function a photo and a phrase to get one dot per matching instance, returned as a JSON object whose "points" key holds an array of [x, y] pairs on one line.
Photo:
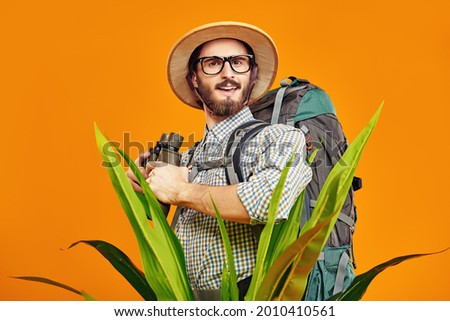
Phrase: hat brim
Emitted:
{"points": [[262, 44]]}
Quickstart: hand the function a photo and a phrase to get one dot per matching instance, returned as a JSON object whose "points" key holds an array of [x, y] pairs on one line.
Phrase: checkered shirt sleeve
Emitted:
{"points": [[263, 160]]}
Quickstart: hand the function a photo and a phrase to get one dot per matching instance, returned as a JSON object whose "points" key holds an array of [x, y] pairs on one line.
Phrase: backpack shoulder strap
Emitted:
{"points": [[231, 159], [237, 140], [288, 85]]}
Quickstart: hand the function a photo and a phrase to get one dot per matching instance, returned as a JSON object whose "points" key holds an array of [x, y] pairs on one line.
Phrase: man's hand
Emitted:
{"points": [[170, 184], [144, 171], [167, 181]]}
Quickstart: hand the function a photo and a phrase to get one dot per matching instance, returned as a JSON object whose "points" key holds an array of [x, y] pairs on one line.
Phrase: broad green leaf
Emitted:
{"points": [[294, 264], [284, 234], [160, 265], [350, 161], [144, 203], [229, 290], [161, 226], [54, 283], [296, 281], [289, 229], [225, 290], [275, 280], [360, 284], [264, 257], [148, 199], [280, 235], [136, 215], [124, 266], [329, 204]]}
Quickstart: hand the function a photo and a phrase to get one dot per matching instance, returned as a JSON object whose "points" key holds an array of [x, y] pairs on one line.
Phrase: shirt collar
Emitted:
{"points": [[223, 129]]}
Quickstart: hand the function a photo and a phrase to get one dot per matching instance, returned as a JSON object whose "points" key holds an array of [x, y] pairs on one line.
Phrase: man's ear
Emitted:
{"points": [[191, 79], [194, 80], [193, 84]]}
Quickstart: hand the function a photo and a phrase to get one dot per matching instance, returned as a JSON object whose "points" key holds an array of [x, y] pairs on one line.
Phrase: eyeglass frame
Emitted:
{"points": [[225, 59]]}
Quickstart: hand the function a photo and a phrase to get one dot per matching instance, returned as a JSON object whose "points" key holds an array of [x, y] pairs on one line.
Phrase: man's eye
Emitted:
{"points": [[239, 60], [213, 62]]}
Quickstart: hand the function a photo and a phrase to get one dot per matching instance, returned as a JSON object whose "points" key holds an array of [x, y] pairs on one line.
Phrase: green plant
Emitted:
{"points": [[284, 259]]}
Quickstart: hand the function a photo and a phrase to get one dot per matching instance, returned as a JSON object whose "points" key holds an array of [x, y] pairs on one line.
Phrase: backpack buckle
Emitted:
{"points": [[308, 138]]}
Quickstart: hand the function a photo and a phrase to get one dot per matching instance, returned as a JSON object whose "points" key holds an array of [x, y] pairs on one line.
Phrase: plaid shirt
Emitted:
{"points": [[263, 159]]}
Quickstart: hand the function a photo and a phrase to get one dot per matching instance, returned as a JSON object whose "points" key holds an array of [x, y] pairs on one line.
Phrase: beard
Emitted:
{"points": [[226, 106]]}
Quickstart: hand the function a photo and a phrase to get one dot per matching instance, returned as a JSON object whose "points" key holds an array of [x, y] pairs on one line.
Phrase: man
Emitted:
{"points": [[221, 68]]}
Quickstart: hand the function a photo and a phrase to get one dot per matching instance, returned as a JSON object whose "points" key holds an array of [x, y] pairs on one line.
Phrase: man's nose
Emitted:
{"points": [[227, 71]]}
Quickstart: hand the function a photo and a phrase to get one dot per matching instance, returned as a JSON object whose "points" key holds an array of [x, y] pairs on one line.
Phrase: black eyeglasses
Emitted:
{"points": [[212, 65]]}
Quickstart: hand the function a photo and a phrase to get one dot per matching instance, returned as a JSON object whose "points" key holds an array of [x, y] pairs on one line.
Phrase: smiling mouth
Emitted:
{"points": [[228, 87], [229, 91]]}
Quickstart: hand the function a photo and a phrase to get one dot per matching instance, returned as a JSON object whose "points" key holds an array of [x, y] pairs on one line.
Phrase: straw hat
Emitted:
{"points": [[262, 44]]}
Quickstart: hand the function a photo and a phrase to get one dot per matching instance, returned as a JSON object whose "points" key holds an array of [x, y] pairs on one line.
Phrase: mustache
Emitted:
{"points": [[228, 82]]}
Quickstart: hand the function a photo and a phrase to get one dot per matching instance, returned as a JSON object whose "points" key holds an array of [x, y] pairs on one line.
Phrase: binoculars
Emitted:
{"points": [[166, 151]]}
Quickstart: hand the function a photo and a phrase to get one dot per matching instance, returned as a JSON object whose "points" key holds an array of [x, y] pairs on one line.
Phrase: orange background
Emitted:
{"points": [[66, 64]]}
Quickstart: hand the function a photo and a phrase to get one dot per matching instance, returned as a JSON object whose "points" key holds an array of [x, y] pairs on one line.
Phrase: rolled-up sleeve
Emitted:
{"points": [[264, 158]]}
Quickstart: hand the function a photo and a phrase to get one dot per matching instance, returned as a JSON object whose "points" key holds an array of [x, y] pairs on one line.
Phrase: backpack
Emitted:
{"points": [[306, 106]]}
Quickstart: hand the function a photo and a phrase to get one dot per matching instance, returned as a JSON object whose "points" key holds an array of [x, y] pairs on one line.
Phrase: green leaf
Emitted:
{"points": [[267, 242], [284, 234], [325, 213], [329, 203], [160, 221], [360, 284], [313, 155], [169, 242], [54, 283], [294, 264], [307, 255], [144, 203], [229, 290], [278, 277], [289, 229], [348, 164], [225, 290], [124, 266], [87, 296], [160, 261]]}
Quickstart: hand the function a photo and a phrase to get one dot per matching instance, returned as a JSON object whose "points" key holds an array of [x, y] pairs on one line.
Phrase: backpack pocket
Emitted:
{"points": [[332, 273]]}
